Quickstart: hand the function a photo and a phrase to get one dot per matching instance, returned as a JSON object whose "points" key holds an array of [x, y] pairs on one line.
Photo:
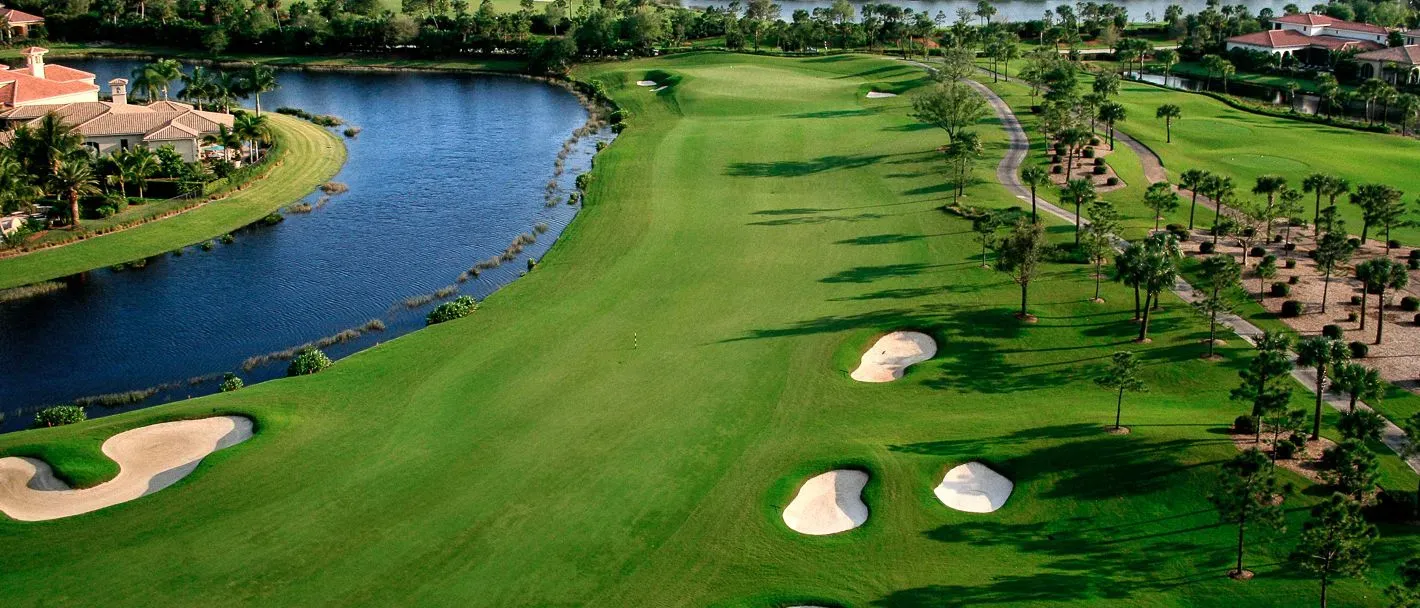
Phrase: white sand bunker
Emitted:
{"points": [[892, 354], [829, 503], [974, 488], [645, 83], [880, 95], [149, 459], [659, 89]]}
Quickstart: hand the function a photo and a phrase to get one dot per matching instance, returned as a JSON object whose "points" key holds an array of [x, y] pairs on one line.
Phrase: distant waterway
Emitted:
{"points": [[1020, 10], [447, 170]]}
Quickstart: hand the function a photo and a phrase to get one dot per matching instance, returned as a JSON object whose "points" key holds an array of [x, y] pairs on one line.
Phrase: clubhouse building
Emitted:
{"points": [[1311, 38]]}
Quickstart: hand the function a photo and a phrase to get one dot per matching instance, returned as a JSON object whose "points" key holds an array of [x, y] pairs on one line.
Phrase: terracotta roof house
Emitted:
{"points": [[118, 125], [1310, 37], [37, 83], [1396, 65], [20, 21]]}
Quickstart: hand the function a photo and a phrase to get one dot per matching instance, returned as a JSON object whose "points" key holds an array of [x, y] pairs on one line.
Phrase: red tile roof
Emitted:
{"points": [[1315, 20], [1286, 39], [18, 86], [19, 17], [1404, 55], [59, 73], [164, 120]]}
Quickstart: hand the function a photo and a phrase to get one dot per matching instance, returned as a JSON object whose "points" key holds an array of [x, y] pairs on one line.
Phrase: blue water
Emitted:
{"points": [[447, 171]]}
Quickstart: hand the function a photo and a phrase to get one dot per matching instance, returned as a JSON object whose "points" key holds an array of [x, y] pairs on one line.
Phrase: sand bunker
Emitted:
{"points": [[645, 83], [829, 503], [974, 488], [149, 459], [892, 353], [880, 95], [659, 89]]}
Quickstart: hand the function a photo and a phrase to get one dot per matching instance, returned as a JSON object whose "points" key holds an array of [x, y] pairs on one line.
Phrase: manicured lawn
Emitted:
{"points": [[311, 155], [622, 426]]}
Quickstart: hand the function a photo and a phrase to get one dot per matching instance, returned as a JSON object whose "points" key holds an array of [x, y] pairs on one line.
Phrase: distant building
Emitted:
{"points": [[37, 83], [1397, 65], [20, 21], [108, 126], [1310, 38]]}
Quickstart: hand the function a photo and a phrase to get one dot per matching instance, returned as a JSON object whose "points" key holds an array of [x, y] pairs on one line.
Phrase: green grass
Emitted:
{"points": [[311, 155], [1196, 70], [622, 426]]}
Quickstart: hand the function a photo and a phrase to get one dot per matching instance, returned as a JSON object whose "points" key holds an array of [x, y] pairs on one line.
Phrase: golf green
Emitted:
{"points": [[624, 425]]}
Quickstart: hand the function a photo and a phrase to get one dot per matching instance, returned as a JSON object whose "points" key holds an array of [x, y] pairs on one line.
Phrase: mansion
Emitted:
{"points": [[1312, 38]]}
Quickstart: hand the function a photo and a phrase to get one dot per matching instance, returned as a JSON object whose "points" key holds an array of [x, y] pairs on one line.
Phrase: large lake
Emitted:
{"points": [[447, 170]]}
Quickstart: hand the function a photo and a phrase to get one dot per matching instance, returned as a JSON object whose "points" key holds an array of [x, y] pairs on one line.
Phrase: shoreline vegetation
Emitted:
{"points": [[304, 156]]}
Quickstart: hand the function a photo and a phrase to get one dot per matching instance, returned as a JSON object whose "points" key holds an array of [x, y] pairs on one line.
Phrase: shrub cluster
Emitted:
{"points": [[1291, 308], [459, 308], [1359, 350], [231, 382], [60, 415], [309, 361]]}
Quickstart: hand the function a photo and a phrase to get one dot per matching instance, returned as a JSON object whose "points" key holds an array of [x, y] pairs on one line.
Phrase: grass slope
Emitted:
{"points": [[312, 155], [622, 426]]}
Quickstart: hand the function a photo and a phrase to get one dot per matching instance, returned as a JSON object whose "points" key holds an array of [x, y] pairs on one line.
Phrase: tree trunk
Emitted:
{"points": [[1242, 523], [1365, 293], [1325, 285], [1077, 222], [74, 209], [1024, 287], [1144, 323], [1316, 217], [1136, 302], [1323, 589], [1192, 208], [1168, 130], [1380, 315], [1118, 408], [1212, 332]]}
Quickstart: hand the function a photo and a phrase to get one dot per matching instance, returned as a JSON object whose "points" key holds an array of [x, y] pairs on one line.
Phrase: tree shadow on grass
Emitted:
{"points": [[819, 219], [881, 239], [837, 113], [869, 274], [798, 168]]}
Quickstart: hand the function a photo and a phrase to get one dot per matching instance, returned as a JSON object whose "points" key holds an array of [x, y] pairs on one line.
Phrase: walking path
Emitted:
{"points": [[1008, 174]]}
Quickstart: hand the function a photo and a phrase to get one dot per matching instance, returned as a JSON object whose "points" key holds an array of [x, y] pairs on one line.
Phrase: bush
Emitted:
{"points": [[1392, 243], [1100, 170], [1088, 153], [1057, 169], [583, 180], [228, 239], [1415, 254], [1286, 450], [1055, 159], [1354, 242], [309, 361], [1290, 264], [1359, 350], [1293, 280], [448, 311], [1179, 233], [1277, 238], [60, 415], [1291, 308], [1281, 290], [1417, 319], [1099, 162], [1174, 227], [1289, 247], [1094, 141], [1205, 247], [1350, 317], [230, 382], [1355, 300], [1409, 304], [1245, 425], [208, 245], [1257, 252], [1413, 264], [1113, 181], [272, 219]]}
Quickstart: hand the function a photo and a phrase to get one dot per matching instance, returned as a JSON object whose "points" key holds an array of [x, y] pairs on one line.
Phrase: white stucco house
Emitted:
{"points": [[37, 83], [1397, 65], [1310, 38]]}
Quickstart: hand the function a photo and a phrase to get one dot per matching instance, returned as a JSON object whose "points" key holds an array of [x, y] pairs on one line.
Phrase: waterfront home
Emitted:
{"points": [[20, 21], [1311, 38], [118, 125], [38, 84], [1397, 65]]}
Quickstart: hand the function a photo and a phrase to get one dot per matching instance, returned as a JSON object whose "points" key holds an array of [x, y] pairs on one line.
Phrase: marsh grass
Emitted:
{"points": [[117, 399], [341, 337], [352, 132], [301, 207], [334, 188], [29, 291]]}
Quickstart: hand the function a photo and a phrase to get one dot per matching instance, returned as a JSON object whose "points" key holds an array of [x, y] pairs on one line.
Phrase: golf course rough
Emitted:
{"points": [[892, 354], [750, 222], [829, 503], [149, 458]]}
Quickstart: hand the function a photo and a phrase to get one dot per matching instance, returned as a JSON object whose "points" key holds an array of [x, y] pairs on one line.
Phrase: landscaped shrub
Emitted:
{"points": [[1351, 317], [309, 361], [230, 382], [1291, 308], [1415, 254], [1245, 425], [1113, 181], [1205, 247], [1055, 159], [1277, 238], [1257, 252], [1088, 153], [1281, 290], [1290, 264], [1359, 350], [1413, 264], [272, 219], [448, 311], [1354, 242], [1409, 304], [1173, 227], [1293, 280], [1099, 162], [1289, 247], [1286, 450], [1355, 300], [1094, 141], [1100, 170], [228, 239], [60, 415], [1179, 233], [1392, 243], [1057, 169], [583, 180]]}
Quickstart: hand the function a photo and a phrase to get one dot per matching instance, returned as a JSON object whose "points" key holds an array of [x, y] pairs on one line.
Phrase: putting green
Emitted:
{"points": [[624, 426]]}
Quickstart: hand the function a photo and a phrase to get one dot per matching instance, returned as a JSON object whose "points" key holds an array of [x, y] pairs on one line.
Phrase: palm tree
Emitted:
{"points": [[197, 86], [1221, 189], [117, 166], [142, 164], [1169, 112], [1158, 270], [262, 79], [1409, 106], [42, 148], [1112, 113], [1320, 353], [1385, 274], [1193, 180], [1034, 176], [1269, 185], [1081, 192], [1359, 382], [1318, 183], [157, 76], [1072, 140], [253, 128], [74, 179]]}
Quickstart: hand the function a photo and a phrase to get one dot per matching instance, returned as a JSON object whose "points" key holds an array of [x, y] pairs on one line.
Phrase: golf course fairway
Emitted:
{"points": [[625, 425]]}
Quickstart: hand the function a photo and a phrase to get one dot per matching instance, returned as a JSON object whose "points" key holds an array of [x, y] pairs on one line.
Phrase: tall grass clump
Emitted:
{"points": [[333, 188], [30, 291], [117, 399]]}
